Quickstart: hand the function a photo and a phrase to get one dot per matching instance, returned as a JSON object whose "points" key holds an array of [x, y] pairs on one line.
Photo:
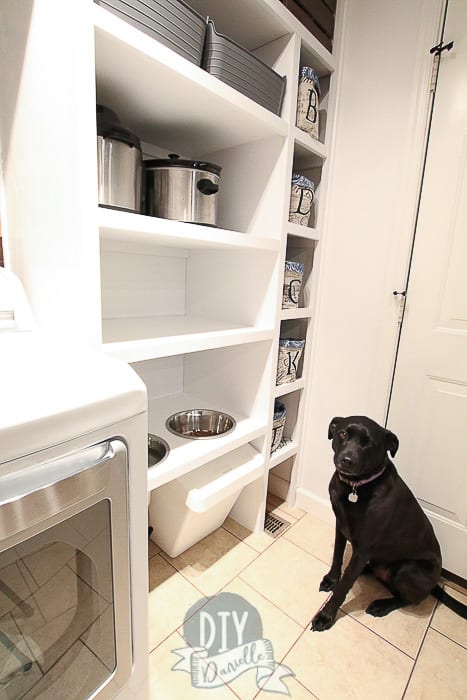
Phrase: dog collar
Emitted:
{"points": [[353, 496]]}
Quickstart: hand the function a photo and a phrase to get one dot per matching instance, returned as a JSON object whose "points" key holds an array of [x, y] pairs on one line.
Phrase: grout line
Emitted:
{"points": [[271, 602], [85, 583], [305, 551], [223, 527], [419, 650], [303, 632], [177, 629], [110, 670], [183, 640], [323, 561], [443, 634], [30, 650], [307, 689], [377, 634]]}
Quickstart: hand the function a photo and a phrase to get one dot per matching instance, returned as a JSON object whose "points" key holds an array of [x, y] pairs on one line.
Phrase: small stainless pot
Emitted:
{"points": [[119, 163], [182, 190]]}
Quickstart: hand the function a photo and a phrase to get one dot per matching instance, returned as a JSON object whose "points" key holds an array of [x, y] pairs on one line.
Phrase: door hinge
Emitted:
{"points": [[402, 299], [437, 51], [439, 48], [434, 73]]}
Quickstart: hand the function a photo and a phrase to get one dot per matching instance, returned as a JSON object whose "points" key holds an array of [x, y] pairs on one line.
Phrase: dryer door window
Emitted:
{"points": [[57, 631], [64, 576]]}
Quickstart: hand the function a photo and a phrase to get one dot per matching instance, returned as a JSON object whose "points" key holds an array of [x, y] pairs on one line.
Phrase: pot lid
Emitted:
{"points": [[109, 127], [174, 161]]}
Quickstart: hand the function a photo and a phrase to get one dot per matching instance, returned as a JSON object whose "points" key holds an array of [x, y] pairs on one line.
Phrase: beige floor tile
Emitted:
{"points": [[17, 684], [168, 684], [13, 588], [62, 610], [258, 541], [404, 628], [440, 671], [278, 628], [65, 592], [348, 661], [313, 535], [94, 564], [212, 563], [450, 624], [75, 676], [12, 663], [297, 691], [100, 638], [47, 561], [170, 597], [276, 504], [26, 574], [153, 549], [289, 577]]}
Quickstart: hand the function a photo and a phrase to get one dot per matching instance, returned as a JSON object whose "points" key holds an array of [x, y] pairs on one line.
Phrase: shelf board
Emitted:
{"points": [[186, 455], [167, 100], [138, 233], [283, 389], [137, 339], [283, 453], [307, 232], [290, 314], [306, 146]]}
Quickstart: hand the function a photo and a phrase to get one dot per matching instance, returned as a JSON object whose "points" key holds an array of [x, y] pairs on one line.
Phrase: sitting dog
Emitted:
{"points": [[381, 518]]}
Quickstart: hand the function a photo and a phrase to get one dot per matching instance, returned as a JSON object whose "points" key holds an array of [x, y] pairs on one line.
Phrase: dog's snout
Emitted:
{"points": [[347, 462]]}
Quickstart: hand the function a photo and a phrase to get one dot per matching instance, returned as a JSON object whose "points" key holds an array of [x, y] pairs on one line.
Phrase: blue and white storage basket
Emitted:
{"points": [[309, 93], [302, 195], [293, 275], [290, 351], [280, 415]]}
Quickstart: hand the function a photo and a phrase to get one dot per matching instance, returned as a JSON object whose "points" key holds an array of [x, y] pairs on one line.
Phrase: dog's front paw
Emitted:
{"points": [[322, 621], [328, 582]]}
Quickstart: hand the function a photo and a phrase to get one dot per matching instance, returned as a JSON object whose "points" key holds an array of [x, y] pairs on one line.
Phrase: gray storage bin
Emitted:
{"points": [[240, 69], [171, 22], [238, 77]]}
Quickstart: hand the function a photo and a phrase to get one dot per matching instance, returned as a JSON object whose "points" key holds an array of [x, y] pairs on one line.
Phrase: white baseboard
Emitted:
{"points": [[315, 505]]}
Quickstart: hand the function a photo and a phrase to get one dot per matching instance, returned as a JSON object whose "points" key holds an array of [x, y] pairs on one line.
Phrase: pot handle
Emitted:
{"points": [[206, 186]]}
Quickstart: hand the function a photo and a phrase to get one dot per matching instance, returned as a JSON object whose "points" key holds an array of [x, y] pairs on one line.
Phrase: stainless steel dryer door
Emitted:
{"points": [[65, 616]]}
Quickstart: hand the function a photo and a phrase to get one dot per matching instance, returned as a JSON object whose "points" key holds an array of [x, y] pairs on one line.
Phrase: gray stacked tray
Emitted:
{"points": [[171, 22], [240, 69]]}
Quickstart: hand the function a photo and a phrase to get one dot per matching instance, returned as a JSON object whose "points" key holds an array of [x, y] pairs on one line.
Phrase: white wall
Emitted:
{"points": [[48, 162], [375, 165]]}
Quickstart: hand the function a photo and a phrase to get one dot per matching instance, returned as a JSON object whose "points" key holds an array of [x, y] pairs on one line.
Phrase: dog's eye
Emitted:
{"points": [[343, 435]]}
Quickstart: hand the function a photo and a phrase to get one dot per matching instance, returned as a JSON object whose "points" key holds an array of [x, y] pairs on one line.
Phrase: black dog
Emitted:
{"points": [[381, 518]]}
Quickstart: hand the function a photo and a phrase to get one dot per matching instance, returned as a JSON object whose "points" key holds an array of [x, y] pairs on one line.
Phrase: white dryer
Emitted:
{"points": [[73, 521]]}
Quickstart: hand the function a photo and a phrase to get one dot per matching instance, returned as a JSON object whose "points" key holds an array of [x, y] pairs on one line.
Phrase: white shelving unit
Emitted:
{"points": [[195, 310]]}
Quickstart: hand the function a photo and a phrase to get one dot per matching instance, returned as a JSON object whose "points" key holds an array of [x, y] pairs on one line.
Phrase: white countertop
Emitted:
{"points": [[51, 393]]}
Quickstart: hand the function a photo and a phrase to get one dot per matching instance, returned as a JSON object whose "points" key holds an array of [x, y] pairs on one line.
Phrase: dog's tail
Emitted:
{"points": [[450, 602]]}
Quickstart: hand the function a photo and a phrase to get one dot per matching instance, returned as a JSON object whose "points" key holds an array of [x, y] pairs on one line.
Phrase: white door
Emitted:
{"points": [[428, 409]]}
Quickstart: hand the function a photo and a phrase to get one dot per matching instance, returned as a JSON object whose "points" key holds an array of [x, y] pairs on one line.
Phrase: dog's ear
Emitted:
{"points": [[392, 443], [332, 427]]}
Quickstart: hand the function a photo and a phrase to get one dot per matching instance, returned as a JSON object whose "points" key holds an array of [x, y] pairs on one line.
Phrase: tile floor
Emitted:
{"points": [[414, 653]]}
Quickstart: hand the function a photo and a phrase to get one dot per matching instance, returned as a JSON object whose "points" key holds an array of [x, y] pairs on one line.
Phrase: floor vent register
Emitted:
{"points": [[275, 526]]}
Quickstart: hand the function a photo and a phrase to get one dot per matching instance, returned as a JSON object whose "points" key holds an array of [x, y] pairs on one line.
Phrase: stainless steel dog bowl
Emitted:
{"points": [[158, 450], [200, 423]]}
